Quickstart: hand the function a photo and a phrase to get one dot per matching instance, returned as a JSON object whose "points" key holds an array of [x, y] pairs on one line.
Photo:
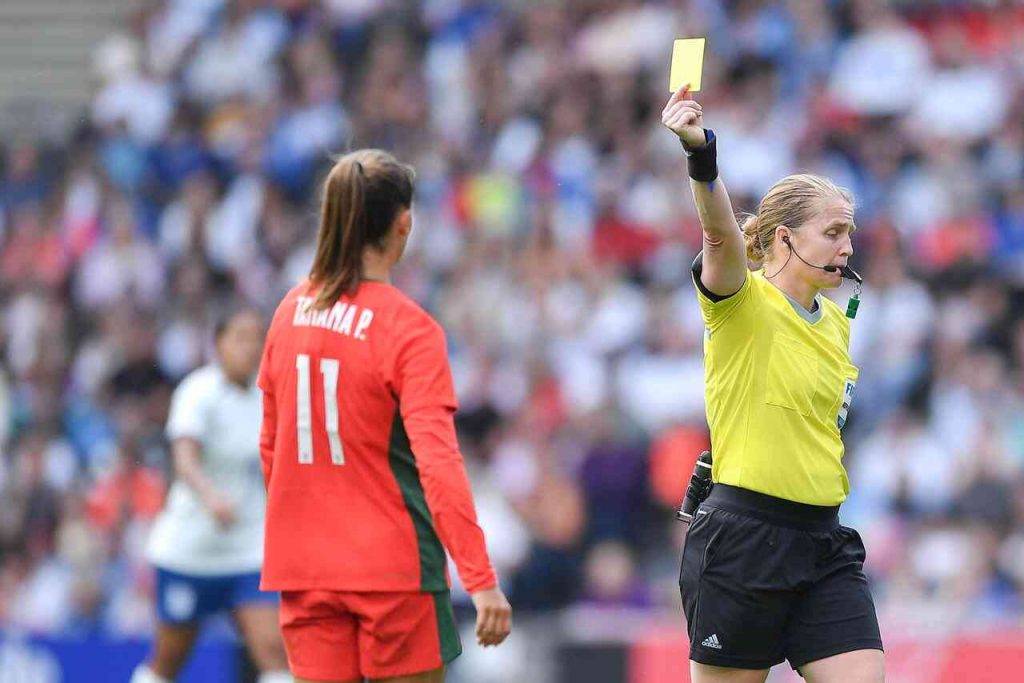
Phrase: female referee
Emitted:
{"points": [[768, 573], [207, 544], [366, 485]]}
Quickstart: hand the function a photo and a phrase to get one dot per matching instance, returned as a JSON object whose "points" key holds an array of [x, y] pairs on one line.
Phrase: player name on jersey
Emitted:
{"points": [[338, 318]]}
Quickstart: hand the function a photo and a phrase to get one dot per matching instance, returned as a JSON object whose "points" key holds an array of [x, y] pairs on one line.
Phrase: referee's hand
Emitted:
{"points": [[684, 117], [493, 616]]}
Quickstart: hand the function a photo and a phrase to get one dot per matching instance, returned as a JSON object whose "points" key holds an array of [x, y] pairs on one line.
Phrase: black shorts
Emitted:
{"points": [[764, 580]]}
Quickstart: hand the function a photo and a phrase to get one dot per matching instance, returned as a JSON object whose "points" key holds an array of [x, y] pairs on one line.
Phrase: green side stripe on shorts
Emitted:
{"points": [[451, 644], [407, 474]]}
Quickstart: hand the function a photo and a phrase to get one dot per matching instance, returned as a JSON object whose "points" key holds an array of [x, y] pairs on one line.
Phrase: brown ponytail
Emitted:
{"points": [[363, 193]]}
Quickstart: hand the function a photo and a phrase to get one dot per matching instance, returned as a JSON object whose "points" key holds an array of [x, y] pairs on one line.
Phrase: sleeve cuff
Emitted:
{"points": [[697, 268], [483, 584]]}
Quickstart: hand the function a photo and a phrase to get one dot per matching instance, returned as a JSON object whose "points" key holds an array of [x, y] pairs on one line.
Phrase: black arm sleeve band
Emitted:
{"points": [[697, 268], [702, 162]]}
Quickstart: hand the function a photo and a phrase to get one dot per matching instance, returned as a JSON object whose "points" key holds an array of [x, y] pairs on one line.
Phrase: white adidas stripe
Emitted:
{"points": [[712, 641]]}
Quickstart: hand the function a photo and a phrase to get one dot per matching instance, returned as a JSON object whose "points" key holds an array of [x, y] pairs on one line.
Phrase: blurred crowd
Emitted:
{"points": [[553, 237]]}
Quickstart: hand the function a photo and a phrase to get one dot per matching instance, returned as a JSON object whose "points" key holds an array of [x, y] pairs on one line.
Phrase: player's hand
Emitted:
{"points": [[684, 117], [222, 509], [493, 616]]}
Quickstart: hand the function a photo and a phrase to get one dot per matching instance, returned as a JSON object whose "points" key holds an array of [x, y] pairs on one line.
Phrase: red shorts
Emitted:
{"points": [[345, 636]]}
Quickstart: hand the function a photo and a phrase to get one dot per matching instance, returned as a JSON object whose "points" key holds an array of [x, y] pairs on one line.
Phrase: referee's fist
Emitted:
{"points": [[493, 616], [684, 117]]}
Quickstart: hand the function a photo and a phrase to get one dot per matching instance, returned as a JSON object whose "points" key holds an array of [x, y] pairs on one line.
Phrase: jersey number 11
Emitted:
{"points": [[304, 409]]}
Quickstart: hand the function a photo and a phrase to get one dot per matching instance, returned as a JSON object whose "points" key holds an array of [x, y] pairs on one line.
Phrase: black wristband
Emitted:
{"points": [[702, 162]]}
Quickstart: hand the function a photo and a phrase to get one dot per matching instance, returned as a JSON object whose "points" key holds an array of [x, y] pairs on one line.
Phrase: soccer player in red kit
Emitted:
{"points": [[365, 483]]}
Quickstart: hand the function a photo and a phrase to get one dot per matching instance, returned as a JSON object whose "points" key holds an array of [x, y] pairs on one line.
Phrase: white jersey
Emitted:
{"points": [[225, 419]]}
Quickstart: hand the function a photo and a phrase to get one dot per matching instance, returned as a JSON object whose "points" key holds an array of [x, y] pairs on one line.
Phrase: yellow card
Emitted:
{"points": [[687, 63]]}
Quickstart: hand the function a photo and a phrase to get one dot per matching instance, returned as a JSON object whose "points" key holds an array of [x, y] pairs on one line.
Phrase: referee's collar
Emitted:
{"points": [[810, 316]]}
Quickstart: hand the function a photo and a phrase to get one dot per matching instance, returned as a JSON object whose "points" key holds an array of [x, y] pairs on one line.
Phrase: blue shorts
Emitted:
{"points": [[186, 598]]}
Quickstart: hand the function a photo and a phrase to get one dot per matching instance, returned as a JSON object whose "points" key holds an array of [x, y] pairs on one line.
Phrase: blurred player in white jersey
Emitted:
{"points": [[207, 544]]}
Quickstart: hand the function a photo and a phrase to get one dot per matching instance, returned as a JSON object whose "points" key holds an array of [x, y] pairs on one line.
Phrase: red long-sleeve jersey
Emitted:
{"points": [[365, 482]]}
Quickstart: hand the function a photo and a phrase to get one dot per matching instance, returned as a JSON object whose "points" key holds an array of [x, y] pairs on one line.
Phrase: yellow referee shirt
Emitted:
{"points": [[778, 382]]}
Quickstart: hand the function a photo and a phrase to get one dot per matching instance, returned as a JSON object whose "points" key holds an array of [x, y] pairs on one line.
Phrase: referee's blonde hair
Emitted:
{"points": [[790, 202]]}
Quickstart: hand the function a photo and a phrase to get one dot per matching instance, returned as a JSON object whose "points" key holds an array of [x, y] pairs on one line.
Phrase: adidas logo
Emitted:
{"points": [[712, 641]]}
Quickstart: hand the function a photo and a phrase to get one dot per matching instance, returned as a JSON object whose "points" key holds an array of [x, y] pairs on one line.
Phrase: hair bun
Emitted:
{"points": [[752, 238]]}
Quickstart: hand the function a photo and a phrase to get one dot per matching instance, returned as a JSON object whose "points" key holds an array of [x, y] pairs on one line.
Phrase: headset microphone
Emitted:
{"points": [[828, 269], [844, 271]]}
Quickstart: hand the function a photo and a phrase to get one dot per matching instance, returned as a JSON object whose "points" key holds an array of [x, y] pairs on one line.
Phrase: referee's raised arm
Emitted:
{"points": [[725, 262]]}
